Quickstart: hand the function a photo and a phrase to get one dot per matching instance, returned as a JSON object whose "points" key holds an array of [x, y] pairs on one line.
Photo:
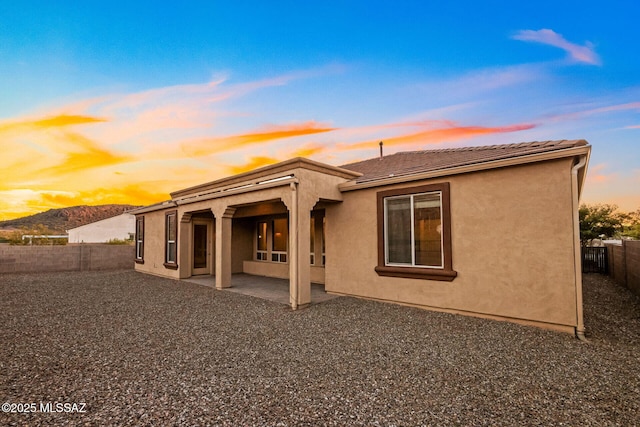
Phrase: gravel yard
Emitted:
{"points": [[142, 350]]}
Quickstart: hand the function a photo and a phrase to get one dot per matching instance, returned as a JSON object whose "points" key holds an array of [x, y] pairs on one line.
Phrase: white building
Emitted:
{"points": [[117, 227]]}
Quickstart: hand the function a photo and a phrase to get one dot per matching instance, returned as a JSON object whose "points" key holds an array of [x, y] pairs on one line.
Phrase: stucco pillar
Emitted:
{"points": [[223, 247], [184, 246], [299, 253]]}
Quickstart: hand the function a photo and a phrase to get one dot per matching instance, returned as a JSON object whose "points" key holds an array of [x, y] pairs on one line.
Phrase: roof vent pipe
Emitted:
{"points": [[380, 143]]}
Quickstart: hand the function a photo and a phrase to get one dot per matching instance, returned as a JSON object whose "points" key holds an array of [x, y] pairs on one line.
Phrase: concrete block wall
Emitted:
{"points": [[25, 259], [624, 264], [633, 265]]}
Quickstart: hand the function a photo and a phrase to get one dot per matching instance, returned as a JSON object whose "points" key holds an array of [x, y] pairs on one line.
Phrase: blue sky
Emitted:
{"points": [[123, 102]]}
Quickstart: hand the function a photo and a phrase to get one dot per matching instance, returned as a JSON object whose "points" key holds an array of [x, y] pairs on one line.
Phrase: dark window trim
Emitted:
{"points": [[173, 265], [444, 274], [257, 250], [139, 260]]}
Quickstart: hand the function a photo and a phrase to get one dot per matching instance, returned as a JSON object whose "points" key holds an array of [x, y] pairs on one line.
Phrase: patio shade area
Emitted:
{"points": [[267, 288]]}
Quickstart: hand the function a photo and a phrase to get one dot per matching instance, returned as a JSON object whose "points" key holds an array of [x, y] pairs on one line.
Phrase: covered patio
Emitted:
{"points": [[267, 288]]}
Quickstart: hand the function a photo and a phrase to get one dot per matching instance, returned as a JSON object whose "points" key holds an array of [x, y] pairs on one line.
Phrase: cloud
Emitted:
{"points": [[65, 120], [56, 121], [614, 187], [138, 147], [20, 202], [164, 134], [23, 201], [308, 150], [451, 132], [599, 110], [253, 163], [270, 133], [482, 81], [83, 154], [596, 174], [196, 96], [39, 148], [584, 54]]}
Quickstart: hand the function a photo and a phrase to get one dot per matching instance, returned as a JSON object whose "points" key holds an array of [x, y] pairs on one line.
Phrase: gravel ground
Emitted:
{"points": [[142, 350]]}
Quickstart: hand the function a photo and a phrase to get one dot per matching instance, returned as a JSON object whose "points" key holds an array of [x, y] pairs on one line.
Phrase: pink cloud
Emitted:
{"points": [[599, 110], [578, 53], [597, 174], [430, 134]]}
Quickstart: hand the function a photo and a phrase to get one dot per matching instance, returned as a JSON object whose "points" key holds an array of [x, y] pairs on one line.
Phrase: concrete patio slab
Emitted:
{"points": [[267, 288]]}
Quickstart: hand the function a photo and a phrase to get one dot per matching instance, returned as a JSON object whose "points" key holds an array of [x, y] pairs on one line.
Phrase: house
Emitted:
{"points": [[122, 227], [483, 231]]}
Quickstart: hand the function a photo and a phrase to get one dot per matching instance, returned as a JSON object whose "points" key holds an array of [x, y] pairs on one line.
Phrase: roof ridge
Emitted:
{"points": [[411, 162], [533, 144]]}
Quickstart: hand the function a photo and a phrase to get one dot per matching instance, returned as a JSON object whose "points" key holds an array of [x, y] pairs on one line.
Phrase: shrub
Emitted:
{"points": [[17, 237], [119, 242]]}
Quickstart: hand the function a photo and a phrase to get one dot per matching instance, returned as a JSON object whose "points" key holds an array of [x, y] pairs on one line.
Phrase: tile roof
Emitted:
{"points": [[413, 162]]}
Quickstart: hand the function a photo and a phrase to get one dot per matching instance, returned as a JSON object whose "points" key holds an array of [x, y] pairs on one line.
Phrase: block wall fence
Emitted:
{"points": [[81, 257], [624, 264]]}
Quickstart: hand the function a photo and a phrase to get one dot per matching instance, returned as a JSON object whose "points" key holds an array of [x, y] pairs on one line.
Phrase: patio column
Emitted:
{"points": [[299, 253], [184, 246], [223, 247]]}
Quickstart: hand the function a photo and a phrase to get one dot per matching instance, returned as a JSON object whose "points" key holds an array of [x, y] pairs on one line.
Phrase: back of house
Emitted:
{"points": [[484, 231]]}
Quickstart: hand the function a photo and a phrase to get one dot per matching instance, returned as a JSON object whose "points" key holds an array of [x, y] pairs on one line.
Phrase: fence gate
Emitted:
{"points": [[595, 260]]}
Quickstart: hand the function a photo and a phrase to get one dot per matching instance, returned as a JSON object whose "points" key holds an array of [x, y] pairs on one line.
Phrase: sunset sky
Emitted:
{"points": [[123, 102]]}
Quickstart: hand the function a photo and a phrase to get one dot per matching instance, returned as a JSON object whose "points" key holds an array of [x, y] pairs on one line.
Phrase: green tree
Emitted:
{"points": [[599, 221], [632, 225]]}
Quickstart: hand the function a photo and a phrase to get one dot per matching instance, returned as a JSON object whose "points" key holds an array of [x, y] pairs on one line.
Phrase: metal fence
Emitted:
{"points": [[595, 260]]}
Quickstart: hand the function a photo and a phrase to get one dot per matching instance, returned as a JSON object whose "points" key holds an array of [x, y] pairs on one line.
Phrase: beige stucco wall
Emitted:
{"points": [[512, 242], [154, 246], [512, 247], [242, 243], [279, 270], [313, 187]]}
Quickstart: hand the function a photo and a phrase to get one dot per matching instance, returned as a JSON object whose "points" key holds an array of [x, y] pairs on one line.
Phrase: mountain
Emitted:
{"points": [[60, 220]]}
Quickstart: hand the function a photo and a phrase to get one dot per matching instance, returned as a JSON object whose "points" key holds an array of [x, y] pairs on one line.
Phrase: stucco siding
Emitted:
{"points": [[154, 250], [243, 234], [512, 246]]}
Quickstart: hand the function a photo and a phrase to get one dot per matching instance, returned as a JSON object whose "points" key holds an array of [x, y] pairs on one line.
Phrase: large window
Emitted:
{"points": [[280, 240], [312, 241], [171, 240], [414, 233], [261, 243], [324, 222], [272, 240], [140, 239]]}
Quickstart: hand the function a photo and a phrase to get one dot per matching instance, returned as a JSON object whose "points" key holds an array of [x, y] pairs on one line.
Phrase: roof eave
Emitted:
{"points": [[475, 167], [152, 208], [266, 172]]}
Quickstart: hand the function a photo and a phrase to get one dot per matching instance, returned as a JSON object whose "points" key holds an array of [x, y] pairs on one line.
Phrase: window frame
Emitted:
{"points": [[312, 241], [270, 255], [261, 254], [443, 273], [139, 240], [173, 265], [324, 255], [279, 255]]}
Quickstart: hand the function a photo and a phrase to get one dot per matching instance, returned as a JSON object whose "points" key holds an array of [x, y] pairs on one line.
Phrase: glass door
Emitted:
{"points": [[201, 252]]}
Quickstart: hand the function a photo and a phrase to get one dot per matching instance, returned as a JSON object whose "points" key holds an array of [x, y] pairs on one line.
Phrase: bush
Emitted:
{"points": [[17, 237], [119, 242]]}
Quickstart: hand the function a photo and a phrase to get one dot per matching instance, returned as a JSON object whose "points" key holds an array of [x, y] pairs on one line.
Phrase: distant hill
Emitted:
{"points": [[60, 220]]}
